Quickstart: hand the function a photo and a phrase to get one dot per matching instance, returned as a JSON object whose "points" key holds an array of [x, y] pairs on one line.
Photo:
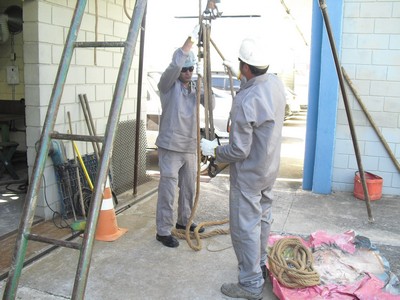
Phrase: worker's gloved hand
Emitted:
{"points": [[208, 147], [199, 69], [233, 67], [194, 35], [228, 64]]}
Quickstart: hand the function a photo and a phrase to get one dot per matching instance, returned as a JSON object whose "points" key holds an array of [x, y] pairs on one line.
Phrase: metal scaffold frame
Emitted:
{"points": [[24, 231]]}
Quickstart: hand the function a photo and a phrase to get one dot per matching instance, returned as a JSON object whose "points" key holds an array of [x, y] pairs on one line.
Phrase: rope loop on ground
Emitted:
{"points": [[291, 262], [189, 236]]}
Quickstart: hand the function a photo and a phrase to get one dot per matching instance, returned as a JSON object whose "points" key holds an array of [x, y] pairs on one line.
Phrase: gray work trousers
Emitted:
{"points": [[250, 225], [176, 168]]}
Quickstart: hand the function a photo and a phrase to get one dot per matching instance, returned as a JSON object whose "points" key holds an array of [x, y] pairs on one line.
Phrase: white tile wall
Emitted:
{"points": [[101, 7], [393, 73], [49, 33], [373, 41], [104, 92], [94, 75], [385, 88], [46, 26], [120, 30], [104, 59], [386, 57], [376, 9], [392, 135], [371, 72], [371, 57], [114, 12], [391, 26], [394, 42], [85, 56]]}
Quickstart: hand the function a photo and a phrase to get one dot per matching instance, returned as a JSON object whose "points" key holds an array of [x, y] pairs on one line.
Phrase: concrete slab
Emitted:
{"points": [[136, 266], [304, 212]]}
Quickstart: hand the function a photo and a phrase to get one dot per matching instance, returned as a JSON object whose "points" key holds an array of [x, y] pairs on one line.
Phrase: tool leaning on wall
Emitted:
{"points": [[325, 15]]}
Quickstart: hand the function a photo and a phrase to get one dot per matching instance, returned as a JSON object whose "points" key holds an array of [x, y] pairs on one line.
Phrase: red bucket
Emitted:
{"points": [[374, 186]]}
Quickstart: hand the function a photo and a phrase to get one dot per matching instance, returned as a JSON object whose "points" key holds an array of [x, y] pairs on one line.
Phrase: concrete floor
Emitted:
{"points": [[136, 266], [12, 196]]}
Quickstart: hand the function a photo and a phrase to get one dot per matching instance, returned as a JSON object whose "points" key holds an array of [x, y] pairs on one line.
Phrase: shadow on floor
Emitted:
{"points": [[12, 195]]}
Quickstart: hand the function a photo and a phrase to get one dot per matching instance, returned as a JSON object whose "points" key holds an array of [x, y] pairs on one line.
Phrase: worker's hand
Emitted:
{"points": [[199, 69], [194, 35], [208, 147], [228, 64], [233, 67]]}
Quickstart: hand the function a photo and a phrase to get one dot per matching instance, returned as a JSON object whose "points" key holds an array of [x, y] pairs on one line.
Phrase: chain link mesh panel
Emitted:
{"points": [[123, 158], [67, 179]]}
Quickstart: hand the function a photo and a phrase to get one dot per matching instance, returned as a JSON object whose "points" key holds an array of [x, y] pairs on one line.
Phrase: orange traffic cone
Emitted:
{"points": [[107, 229]]}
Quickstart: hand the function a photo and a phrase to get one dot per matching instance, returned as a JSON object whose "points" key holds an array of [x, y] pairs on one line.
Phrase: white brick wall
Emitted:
{"points": [[371, 57], [46, 25]]}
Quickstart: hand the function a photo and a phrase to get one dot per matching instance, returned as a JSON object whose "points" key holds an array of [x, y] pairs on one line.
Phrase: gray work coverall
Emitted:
{"points": [[177, 145], [253, 152]]}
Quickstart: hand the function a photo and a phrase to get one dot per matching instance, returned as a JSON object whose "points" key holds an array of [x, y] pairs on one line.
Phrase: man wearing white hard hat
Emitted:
{"points": [[253, 153], [177, 142]]}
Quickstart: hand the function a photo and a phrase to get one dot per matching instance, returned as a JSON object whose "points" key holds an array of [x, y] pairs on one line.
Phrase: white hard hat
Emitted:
{"points": [[190, 60], [254, 53]]}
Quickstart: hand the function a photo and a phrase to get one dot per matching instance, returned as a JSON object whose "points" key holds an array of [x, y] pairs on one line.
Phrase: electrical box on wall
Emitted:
{"points": [[12, 75]]}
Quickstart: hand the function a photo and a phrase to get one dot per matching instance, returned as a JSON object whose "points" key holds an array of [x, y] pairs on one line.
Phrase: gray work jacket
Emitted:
{"points": [[253, 151], [177, 130], [178, 122]]}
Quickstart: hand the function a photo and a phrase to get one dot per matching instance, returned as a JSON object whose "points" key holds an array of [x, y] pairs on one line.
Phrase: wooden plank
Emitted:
{"points": [[47, 229]]}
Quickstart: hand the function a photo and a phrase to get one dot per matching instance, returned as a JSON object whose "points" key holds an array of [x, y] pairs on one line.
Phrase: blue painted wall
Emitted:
{"points": [[323, 100]]}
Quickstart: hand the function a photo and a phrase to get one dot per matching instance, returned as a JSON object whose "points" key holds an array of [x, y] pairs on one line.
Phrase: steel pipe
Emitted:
{"points": [[324, 10]]}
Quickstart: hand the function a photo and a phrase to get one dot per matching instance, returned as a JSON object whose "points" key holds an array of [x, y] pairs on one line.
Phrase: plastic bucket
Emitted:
{"points": [[374, 186]]}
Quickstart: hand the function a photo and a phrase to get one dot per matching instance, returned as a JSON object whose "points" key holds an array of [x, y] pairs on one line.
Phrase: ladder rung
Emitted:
{"points": [[77, 137], [67, 244], [99, 44]]}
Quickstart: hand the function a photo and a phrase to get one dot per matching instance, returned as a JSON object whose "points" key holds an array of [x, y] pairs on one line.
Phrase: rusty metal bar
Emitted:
{"points": [[230, 81], [78, 178], [95, 146], [208, 79], [43, 239], [206, 83], [76, 137], [139, 104], [371, 121], [324, 10], [41, 254], [92, 130], [99, 44]]}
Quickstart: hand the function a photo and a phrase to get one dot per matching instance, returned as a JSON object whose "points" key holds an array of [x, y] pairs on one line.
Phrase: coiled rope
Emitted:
{"points": [[292, 264], [189, 236]]}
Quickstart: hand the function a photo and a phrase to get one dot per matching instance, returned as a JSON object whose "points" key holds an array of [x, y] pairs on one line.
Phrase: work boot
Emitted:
{"points": [[234, 290], [264, 271], [168, 240], [192, 227]]}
